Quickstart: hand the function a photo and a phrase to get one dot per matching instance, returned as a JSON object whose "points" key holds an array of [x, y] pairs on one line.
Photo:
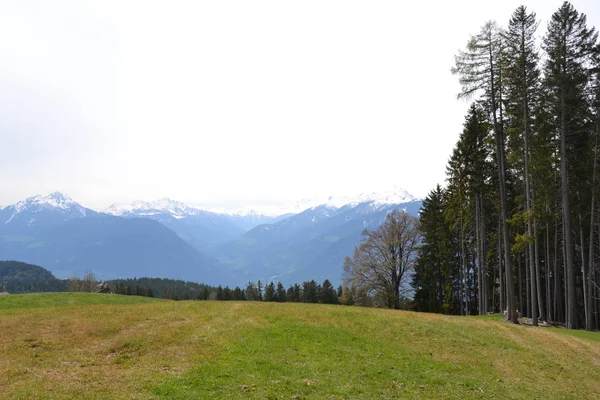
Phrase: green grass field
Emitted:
{"points": [[76, 345]]}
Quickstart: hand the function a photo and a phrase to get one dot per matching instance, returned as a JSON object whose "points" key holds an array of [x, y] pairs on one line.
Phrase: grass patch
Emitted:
{"points": [[44, 300], [88, 347]]}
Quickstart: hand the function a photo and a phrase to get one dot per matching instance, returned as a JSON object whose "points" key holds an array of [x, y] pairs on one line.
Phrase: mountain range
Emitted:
{"points": [[166, 238]]}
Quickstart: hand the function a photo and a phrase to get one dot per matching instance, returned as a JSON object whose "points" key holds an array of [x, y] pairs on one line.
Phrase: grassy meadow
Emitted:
{"points": [[94, 346]]}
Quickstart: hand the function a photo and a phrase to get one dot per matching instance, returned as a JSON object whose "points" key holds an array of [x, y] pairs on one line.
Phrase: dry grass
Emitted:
{"points": [[107, 346]]}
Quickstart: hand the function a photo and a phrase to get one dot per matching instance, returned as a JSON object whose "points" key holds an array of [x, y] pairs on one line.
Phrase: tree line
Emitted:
{"points": [[173, 289], [516, 228]]}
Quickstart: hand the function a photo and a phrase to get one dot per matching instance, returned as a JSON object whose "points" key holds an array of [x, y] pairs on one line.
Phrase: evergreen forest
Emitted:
{"points": [[516, 228]]}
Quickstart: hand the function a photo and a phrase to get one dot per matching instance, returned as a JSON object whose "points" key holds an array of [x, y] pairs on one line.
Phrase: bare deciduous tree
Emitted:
{"points": [[381, 263]]}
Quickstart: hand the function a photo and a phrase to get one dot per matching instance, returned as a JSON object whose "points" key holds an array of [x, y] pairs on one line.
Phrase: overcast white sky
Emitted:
{"points": [[233, 102]]}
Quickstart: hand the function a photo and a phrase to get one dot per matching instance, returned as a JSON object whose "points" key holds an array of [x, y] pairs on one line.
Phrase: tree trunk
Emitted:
{"points": [[521, 304], [480, 293], [538, 275], [483, 256], [583, 270], [547, 265], [571, 301], [558, 287], [527, 310], [531, 301], [501, 268], [462, 269], [588, 296], [511, 315]]}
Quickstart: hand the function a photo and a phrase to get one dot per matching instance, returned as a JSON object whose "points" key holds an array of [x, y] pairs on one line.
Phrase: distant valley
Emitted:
{"points": [[166, 238]]}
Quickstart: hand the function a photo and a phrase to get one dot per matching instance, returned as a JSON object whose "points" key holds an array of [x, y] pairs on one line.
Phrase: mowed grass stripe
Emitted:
{"points": [[212, 350]]}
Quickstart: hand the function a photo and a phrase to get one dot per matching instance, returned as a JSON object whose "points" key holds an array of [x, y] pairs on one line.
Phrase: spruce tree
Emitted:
{"points": [[569, 45], [521, 78], [280, 294], [270, 293], [436, 270]]}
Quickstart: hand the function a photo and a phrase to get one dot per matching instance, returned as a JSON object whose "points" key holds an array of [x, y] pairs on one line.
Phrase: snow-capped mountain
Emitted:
{"points": [[311, 244], [201, 228], [176, 209], [309, 241], [57, 232], [394, 196], [55, 206]]}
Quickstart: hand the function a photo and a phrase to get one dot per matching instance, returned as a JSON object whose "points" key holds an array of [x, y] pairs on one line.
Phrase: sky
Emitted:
{"points": [[233, 103]]}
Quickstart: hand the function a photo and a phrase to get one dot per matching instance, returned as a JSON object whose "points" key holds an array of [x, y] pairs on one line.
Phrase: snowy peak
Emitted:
{"points": [[53, 200], [56, 201], [165, 205], [376, 199], [388, 197]]}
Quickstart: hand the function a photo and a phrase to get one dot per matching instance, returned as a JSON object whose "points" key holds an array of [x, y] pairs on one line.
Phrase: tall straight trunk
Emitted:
{"points": [[565, 281], [583, 270], [508, 265], [486, 279], [501, 267], [538, 275], [596, 284], [558, 304], [571, 302], [597, 295], [547, 265], [462, 269], [532, 300], [478, 257], [521, 306], [588, 296], [527, 310], [484, 264], [511, 315]]}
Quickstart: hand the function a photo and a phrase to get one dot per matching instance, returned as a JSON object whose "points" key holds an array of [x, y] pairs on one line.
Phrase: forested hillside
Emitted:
{"points": [[19, 277], [517, 226]]}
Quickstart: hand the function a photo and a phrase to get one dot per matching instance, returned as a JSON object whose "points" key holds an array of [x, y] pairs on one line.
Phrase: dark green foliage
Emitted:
{"points": [[328, 293], [270, 294], [19, 277], [310, 292], [294, 293], [570, 47], [156, 287], [259, 289], [280, 294], [238, 294], [436, 278], [521, 229], [204, 293], [167, 294]]}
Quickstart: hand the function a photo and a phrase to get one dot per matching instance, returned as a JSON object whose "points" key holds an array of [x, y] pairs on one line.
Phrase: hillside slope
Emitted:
{"points": [[75, 345], [19, 277]]}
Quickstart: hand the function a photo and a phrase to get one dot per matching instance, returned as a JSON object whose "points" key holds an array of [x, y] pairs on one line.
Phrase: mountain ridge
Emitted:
{"points": [[180, 241]]}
